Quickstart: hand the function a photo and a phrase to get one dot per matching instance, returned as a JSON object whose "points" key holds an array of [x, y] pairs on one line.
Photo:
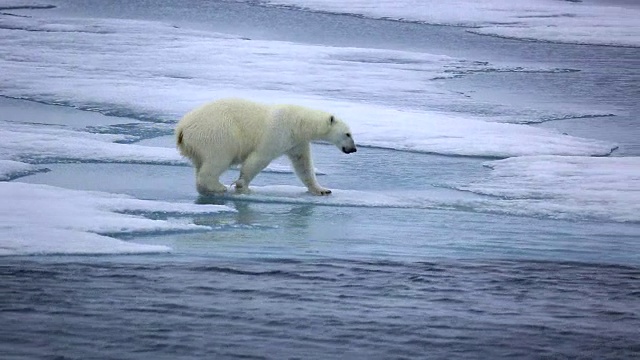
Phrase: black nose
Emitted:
{"points": [[348, 151]]}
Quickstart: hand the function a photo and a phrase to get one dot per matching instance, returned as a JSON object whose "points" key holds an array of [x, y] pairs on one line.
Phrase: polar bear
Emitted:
{"points": [[236, 131]]}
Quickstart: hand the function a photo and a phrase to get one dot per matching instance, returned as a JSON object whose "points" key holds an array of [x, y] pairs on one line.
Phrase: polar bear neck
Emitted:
{"points": [[305, 124]]}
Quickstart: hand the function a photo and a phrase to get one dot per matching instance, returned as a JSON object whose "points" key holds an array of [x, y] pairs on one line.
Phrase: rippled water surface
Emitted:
{"points": [[318, 308]]}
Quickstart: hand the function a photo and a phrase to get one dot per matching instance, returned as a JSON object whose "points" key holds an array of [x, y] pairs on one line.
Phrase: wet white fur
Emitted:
{"points": [[236, 131]]}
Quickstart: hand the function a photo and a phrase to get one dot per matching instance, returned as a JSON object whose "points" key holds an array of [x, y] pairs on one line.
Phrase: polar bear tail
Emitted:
{"points": [[186, 150], [179, 139]]}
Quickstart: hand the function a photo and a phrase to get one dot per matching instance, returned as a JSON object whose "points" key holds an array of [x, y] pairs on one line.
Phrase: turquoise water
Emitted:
{"points": [[397, 263]]}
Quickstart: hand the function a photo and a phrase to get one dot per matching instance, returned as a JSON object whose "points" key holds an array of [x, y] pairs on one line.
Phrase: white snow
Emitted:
{"points": [[566, 186], [160, 71], [42, 219], [154, 70], [584, 22]]}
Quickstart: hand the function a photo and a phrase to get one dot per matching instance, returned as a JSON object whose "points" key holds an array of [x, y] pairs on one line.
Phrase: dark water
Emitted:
{"points": [[317, 308]]}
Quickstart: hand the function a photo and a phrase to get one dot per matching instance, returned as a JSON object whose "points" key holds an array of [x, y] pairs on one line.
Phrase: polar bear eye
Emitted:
{"points": [[332, 120], [348, 134]]}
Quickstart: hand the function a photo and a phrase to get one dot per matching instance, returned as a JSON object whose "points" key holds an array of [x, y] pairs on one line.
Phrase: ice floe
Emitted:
{"points": [[42, 219], [566, 186], [154, 71]]}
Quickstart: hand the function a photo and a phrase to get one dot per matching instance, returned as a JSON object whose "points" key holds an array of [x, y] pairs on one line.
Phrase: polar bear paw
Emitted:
{"points": [[214, 189], [320, 191], [241, 186]]}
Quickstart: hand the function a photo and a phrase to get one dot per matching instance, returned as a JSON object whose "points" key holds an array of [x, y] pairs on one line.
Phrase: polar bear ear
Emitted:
{"points": [[332, 120]]}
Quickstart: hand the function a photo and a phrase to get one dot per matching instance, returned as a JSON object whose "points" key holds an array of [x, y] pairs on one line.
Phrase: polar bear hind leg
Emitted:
{"points": [[249, 169], [207, 172], [208, 177]]}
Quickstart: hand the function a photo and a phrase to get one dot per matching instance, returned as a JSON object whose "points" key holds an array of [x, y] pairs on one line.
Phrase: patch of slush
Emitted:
{"points": [[42, 219]]}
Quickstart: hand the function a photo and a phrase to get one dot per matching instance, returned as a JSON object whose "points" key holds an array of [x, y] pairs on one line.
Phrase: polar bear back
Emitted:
{"points": [[234, 128], [228, 128], [229, 123]]}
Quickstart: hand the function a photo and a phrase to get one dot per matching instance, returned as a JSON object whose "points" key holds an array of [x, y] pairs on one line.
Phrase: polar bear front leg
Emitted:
{"points": [[300, 157], [249, 169]]}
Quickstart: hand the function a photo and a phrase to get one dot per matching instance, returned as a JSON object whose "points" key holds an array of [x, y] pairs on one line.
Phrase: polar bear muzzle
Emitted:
{"points": [[347, 144], [349, 150]]}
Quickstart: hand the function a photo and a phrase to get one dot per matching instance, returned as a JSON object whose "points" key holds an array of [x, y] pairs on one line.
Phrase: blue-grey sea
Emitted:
{"points": [[285, 278]]}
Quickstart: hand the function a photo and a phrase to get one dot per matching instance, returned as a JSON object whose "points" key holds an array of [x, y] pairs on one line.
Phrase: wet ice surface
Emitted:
{"points": [[516, 244]]}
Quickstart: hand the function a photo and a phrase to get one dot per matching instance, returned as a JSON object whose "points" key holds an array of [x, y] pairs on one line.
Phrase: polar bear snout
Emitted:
{"points": [[349, 150], [346, 144]]}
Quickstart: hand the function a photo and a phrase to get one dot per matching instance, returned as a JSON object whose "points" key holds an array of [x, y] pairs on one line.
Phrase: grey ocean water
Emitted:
{"points": [[282, 278]]}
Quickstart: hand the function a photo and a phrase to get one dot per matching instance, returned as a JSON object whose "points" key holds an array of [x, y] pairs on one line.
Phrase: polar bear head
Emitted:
{"points": [[340, 135]]}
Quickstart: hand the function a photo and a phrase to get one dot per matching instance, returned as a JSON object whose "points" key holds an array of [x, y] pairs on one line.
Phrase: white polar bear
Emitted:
{"points": [[236, 131]]}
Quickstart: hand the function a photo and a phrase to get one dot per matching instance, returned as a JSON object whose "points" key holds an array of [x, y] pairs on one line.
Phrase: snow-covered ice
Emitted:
{"points": [[566, 186], [41, 143], [154, 71], [171, 70], [42, 219], [583, 22]]}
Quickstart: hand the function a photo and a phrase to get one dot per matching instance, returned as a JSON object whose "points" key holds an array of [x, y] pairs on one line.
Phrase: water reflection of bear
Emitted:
{"points": [[248, 213]]}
